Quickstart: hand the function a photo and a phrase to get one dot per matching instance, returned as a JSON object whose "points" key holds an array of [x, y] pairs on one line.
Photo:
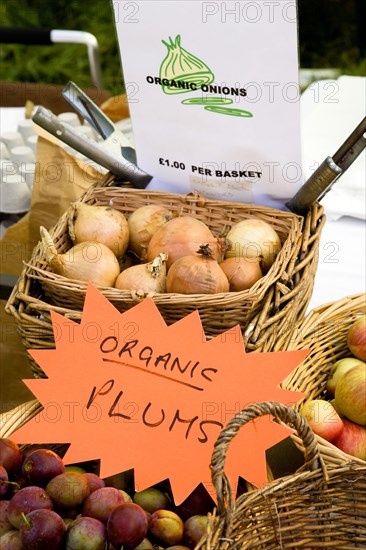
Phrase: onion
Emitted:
{"points": [[144, 278], [241, 272], [182, 237], [197, 274], [87, 261], [143, 223], [254, 238], [101, 224]]}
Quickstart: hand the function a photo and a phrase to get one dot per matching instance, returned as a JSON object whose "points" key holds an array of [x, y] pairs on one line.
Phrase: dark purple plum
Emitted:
{"points": [[94, 481], [86, 534], [17, 483], [11, 541], [4, 478], [177, 547], [42, 530], [101, 502], [68, 490], [166, 527], [127, 525], [152, 499], [10, 456], [194, 529], [5, 525], [26, 500], [40, 466]]}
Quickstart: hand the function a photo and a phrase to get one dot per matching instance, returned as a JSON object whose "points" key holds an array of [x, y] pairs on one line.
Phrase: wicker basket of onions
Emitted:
{"points": [[237, 264]]}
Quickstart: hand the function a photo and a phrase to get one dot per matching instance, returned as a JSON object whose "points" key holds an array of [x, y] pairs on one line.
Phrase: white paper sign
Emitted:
{"points": [[214, 96]]}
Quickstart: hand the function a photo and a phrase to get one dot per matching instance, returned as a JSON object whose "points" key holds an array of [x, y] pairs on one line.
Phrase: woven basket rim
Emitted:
{"points": [[36, 268]]}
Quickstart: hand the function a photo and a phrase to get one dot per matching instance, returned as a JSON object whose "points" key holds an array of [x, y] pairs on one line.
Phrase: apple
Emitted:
{"points": [[352, 440], [350, 394], [356, 338], [338, 369], [322, 418]]}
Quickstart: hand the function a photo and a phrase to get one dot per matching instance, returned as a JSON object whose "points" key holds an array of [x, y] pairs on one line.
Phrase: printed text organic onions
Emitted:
{"points": [[183, 236], [87, 261], [253, 238], [101, 224]]}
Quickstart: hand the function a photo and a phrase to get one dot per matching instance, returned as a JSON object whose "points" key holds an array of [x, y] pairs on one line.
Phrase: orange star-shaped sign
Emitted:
{"points": [[130, 390]]}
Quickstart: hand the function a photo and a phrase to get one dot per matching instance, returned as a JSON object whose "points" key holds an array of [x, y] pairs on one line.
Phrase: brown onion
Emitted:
{"points": [[144, 278], [143, 223], [101, 224], [182, 237], [254, 238], [241, 272], [196, 274], [87, 261]]}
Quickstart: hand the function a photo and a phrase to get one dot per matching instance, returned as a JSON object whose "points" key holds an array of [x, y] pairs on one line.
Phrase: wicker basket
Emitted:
{"points": [[317, 507], [324, 332], [275, 303]]}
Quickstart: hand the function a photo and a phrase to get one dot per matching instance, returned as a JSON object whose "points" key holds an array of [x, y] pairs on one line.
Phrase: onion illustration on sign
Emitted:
{"points": [[182, 72]]}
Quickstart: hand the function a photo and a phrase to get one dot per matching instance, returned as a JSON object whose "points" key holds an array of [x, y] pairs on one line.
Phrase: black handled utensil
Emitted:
{"points": [[329, 171]]}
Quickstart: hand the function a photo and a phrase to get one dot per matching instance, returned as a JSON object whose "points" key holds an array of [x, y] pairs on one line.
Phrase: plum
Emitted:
{"points": [[40, 466], [26, 500], [127, 525], [100, 503], [68, 490], [144, 545], [42, 530], [86, 534], [152, 499], [5, 525], [4, 478], [177, 547], [194, 529], [166, 527], [94, 481], [11, 541], [10, 455], [17, 482], [126, 496]]}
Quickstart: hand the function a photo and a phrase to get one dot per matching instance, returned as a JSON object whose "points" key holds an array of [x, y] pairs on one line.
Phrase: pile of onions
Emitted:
{"points": [[197, 274], [254, 238], [241, 272], [143, 223], [86, 261], [183, 236], [144, 278], [101, 224]]}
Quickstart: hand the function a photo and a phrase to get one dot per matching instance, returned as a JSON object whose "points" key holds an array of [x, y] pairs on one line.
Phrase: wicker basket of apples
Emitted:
{"points": [[333, 377]]}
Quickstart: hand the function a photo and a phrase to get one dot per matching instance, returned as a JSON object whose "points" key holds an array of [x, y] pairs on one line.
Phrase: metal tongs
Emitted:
{"points": [[329, 171], [114, 153]]}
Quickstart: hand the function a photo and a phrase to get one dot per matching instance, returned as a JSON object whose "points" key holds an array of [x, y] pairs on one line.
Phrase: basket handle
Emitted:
{"points": [[289, 416]]}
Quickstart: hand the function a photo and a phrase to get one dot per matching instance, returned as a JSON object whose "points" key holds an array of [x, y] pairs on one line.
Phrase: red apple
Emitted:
{"points": [[352, 440], [356, 338], [322, 418], [338, 369], [350, 394]]}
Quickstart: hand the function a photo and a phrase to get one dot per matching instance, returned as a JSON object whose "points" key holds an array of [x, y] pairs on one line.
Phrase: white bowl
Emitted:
{"points": [[15, 196]]}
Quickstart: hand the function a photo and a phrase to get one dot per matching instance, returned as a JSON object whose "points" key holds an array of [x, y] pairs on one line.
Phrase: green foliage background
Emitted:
{"points": [[330, 34]]}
